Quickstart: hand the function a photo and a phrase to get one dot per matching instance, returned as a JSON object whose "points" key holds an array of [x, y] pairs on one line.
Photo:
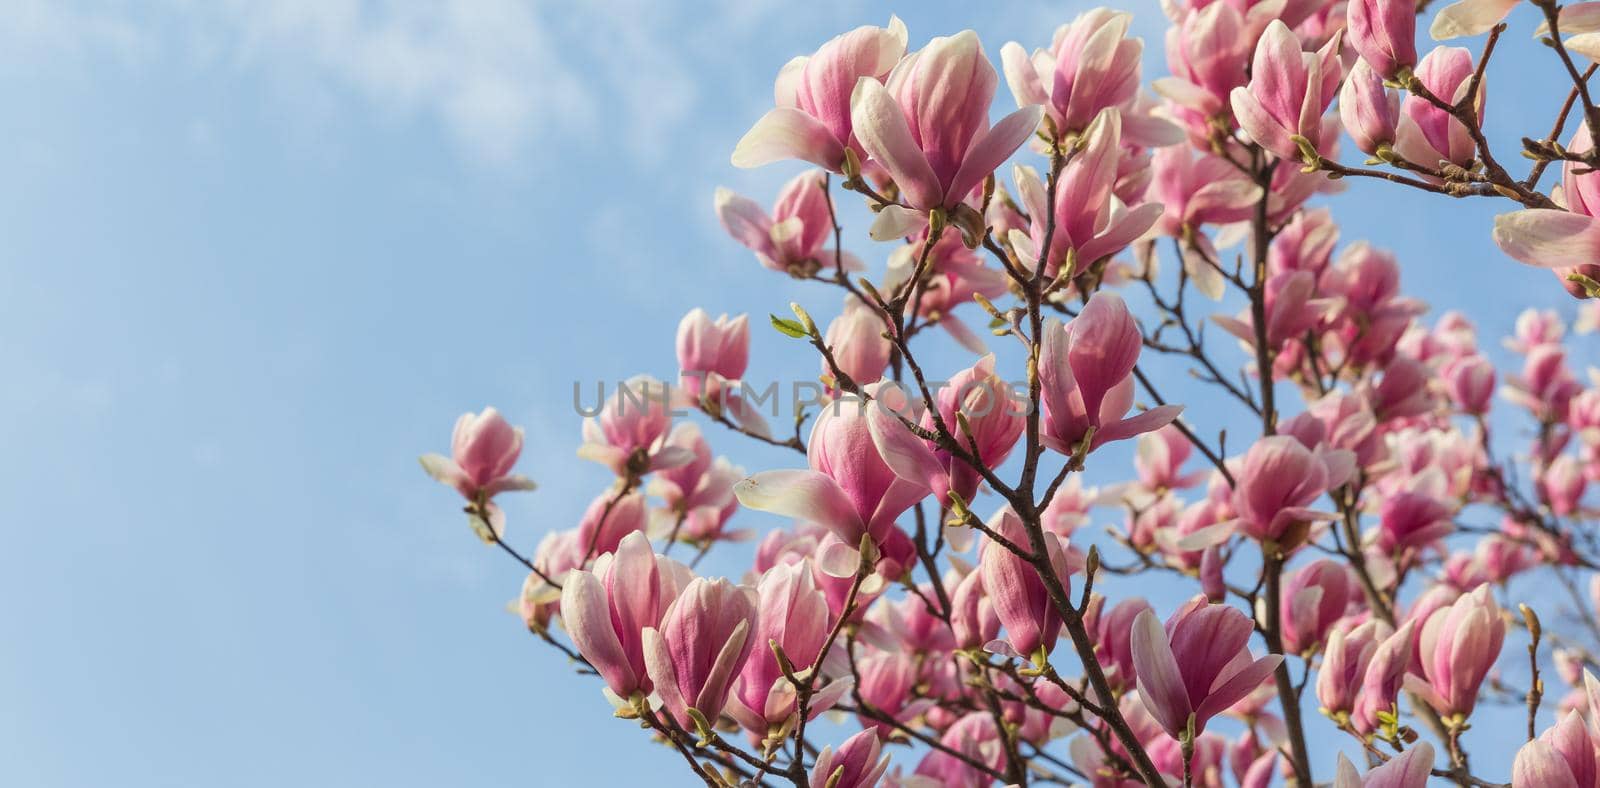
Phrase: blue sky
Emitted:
{"points": [[256, 257]]}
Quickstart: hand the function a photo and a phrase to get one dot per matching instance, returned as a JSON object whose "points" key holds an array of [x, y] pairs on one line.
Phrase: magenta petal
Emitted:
{"points": [[1548, 238], [992, 149], [1235, 688], [1148, 421], [1160, 681], [806, 495], [881, 129], [786, 133]]}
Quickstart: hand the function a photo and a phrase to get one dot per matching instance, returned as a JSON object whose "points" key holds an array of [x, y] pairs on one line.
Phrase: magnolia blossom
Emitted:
{"points": [[854, 765], [1564, 755], [1086, 370], [928, 128], [793, 237], [1089, 222], [859, 346], [1288, 92], [1019, 595], [1558, 239], [1384, 32], [1370, 111], [1276, 486], [1208, 53], [606, 610], [629, 436], [1091, 66], [1428, 134], [1197, 666], [703, 640], [1314, 597], [483, 449], [993, 413], [711, 352], [793, 614], [1409, 769], [812, 120], [1458, 645]]}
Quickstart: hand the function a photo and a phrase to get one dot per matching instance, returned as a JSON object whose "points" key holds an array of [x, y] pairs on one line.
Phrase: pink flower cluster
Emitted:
{"points": [[1330, 542]]}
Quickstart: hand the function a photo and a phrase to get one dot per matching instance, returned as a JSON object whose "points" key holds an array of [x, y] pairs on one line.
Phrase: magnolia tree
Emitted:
{"points": [[1346, 560]]}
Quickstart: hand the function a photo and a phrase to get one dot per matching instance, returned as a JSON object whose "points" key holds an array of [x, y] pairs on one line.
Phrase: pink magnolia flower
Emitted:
{"points": [[995, 415], [629, 437], [793, 238], [866, 470], [1535, 328], [794, 614], [1195, 192], [1292, 310], [1288, 92], [606, 618], [1468, 18], [1086, 370], [1458, 646], [1279, 480], [1207, 52], [1304, 244], [1403, 391], [1470, 383], [812, 120], [1370, 111], [1113, 632], [887, 678], [1564, 756], [1562, 485], [1016, 590], [1091, 65], [1089, 222], [1159, 458], [1410, 769], [1411, 520], [557, 554], [972, 615], [1382, 678], [711, 352], [1384, 32], [974, 736], [1429, 134], [929, 128], [607, 521], [703, 640], [1546, 386], [483, 448], [700, 482], [1563, 240], [1197, 666], [855, 765], [857, 341], [1345, 659], [1315, 596]]}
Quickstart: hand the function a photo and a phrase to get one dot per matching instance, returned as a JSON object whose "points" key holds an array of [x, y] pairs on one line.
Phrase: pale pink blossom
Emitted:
{"points": [[794, 237], [812, 120], [1091, 66], [703, 640], [928, 128], [1197, 666], [1086, 371], [1288, 92]]}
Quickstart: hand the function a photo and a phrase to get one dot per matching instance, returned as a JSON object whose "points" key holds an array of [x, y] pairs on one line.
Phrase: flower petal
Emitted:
{"points": [[1547, 237], [786, 133]]}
